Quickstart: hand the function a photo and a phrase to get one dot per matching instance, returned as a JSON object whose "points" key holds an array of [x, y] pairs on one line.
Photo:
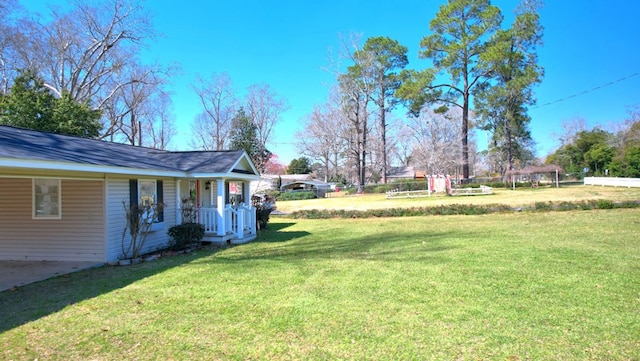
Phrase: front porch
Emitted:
{"points": [[235, 224], [218, 204]]}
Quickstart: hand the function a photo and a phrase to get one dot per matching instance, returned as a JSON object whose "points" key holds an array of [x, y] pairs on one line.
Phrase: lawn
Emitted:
{"points": [[521, 197], [520, 286]]}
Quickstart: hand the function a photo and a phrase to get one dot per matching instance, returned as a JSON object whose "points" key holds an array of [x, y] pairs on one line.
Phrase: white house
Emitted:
{"points": [[63, 198]]}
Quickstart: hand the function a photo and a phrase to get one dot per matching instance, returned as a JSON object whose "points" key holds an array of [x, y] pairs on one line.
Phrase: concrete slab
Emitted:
{"points": [[20, 273]]}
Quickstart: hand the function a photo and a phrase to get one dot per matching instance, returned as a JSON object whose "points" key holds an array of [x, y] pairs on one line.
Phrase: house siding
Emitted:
{"points": [[77, 236], [117, 193]]}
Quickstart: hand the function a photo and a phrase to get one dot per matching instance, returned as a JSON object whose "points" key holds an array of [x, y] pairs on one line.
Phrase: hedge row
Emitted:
{"points": [[294, 196], [459, 209]]}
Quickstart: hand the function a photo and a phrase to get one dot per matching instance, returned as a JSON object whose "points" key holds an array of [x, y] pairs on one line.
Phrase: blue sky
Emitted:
{"points": [[285, 43]]}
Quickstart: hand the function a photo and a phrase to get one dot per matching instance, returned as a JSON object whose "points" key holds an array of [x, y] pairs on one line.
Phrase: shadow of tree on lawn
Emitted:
{"points": [[33, 301]]}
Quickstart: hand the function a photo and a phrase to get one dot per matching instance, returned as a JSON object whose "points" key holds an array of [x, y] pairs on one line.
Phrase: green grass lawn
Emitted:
{"points": [[521, 286], [521, 197]]}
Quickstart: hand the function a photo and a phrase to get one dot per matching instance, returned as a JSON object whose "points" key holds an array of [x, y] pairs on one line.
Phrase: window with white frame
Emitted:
{"points": [[47, 198]]}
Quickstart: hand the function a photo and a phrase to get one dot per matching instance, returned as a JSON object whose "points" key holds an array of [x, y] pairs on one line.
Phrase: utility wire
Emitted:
{"points": [[587, 91]]}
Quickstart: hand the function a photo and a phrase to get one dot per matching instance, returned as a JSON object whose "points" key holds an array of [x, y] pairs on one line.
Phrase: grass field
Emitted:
{"points": [[521, 286], [522, 197]]}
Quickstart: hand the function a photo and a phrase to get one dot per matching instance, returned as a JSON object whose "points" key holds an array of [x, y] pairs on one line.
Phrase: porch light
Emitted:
{"points": [[207, 185]]}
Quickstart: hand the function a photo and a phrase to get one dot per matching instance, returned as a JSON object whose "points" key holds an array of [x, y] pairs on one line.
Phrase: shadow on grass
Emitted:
{"points": [[40, 299], [300, 245], [275, 233], [33, 301]]}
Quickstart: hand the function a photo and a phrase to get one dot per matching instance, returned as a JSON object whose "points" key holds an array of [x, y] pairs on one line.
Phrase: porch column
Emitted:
{"points": [[212, 197], [246, 193], [178, 203], [220, 206]]}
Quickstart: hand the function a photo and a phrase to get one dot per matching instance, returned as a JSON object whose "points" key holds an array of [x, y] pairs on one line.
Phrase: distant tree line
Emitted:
{"points": [[599, 152], [229, 121], [78, 72], [482, 75]]}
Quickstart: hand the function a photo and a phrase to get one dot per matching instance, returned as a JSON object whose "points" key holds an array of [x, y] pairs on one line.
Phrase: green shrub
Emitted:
{"points": [[605, 204], [262, 215], [294, 196], [629, 204], [542, 206], [185, 235], [567, 206]]}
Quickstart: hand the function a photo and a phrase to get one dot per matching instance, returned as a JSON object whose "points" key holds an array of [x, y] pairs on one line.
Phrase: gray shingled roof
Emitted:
{"points": [[17, 143]]}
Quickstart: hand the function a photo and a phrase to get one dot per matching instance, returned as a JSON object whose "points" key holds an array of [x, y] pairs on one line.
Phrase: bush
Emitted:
{"points": [[605, 204], [543, 206], [263, 212], [185, 235], [294, 196]]}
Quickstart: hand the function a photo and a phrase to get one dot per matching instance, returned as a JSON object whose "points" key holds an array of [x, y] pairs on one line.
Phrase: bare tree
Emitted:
{"points": [[133, 104], [357, 87], [264, 107], [435, 140], [219, 103], [8, 46], [20, 43], [159, 126], [86, 49], [401, 149], [88, 53], [321, 139], [570, 129]]}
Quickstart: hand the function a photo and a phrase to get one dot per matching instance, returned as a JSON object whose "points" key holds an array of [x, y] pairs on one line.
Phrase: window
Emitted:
{"points": [[235, 193], [147, 193], [46, 199]]}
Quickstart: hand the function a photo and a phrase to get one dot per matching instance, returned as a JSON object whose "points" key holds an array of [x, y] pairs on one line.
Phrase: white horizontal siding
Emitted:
{"points": [[77, 236], [117, 193]]}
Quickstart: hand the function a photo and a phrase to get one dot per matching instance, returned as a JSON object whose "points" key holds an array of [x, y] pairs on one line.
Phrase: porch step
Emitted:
{"points": [[228, 238]]}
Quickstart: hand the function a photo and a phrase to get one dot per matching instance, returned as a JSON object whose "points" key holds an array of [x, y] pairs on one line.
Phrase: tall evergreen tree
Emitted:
{"points": [[243, 136], [31, 105], [461, 33], [385, 57], [300, 165], [502, 106]]}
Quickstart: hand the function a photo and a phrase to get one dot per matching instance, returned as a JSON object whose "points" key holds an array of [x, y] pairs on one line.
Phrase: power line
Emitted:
{"points": [[587, 91]]}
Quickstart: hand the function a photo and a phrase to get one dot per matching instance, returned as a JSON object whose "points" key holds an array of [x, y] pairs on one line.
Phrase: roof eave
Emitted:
{"points": [[229, 175], [90, 168]]}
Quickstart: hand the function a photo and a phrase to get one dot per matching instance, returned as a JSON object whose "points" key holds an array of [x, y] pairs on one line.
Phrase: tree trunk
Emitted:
{"points": [[363, 168], [383, 126], [465, 140], [509, 146]]}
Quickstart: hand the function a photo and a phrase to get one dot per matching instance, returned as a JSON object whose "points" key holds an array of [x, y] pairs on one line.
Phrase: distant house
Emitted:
{"points": [[404, 173], [269, 182], [320, 188], [64, 198]]}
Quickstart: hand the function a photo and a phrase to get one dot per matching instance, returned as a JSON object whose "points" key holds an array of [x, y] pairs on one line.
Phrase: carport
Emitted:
{"points": [[20, 273]]}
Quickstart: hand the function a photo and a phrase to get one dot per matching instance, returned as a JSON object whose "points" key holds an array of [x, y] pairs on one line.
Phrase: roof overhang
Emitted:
{"points": [[238, 176], [26, 164]]}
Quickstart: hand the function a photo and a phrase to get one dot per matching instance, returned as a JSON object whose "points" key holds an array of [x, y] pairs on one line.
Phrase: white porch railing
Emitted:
{"points": [[240, 220], [209, 218]]}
